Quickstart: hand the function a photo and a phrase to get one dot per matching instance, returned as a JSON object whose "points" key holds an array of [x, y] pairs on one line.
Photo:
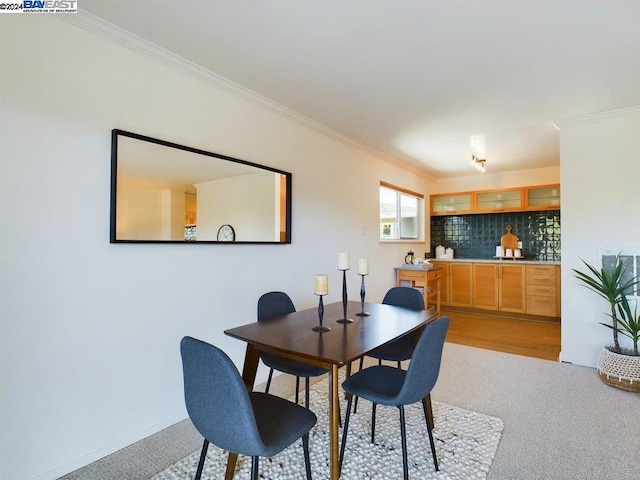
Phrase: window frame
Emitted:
{"points": [[420, 214]]}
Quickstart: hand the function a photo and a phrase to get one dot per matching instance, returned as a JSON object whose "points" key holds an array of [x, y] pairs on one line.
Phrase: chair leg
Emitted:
{"points": [[399, 364], [344, 431], [203, 456], [266, 390], [373, 422], [307, 459], [254, 468], [306, 392], [430, 432], [355, 405], [297, 388], [403, 433]]}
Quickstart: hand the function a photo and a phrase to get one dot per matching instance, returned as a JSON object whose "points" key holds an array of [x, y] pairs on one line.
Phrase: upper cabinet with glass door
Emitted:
{"points": [[540, 197], [544, 197], [451, 204], [506, 200]]}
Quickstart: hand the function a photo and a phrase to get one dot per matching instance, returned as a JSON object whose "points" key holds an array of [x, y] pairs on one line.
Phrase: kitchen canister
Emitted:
{"points": [[449, 253], [439, 251]]}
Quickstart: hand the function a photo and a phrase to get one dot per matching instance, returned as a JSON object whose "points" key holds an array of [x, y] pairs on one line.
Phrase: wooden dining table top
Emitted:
{"points": [[344, 343]]}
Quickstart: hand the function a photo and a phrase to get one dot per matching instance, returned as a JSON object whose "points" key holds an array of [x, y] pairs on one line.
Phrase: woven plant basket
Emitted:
{"points": [[620, 371]]}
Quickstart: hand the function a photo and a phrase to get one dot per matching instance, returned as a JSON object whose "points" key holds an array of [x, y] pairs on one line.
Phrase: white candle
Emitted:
{"points": [[321, 284], [343, 261], [363, 266]]}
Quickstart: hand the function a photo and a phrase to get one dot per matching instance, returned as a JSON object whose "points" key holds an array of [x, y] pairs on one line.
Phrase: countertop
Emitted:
{"points": [[524, 261]]}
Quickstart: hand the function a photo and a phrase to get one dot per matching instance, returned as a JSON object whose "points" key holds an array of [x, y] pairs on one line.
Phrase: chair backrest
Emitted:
{"points": [[404, 297], [274, 304], [424, 367], [217, 399]]}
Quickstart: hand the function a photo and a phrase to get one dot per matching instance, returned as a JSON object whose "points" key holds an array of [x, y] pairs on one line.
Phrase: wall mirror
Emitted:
{"points": [[165, 192]]}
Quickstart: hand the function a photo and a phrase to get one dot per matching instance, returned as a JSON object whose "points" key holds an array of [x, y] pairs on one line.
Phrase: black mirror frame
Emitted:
{"points": [[115, 133]]}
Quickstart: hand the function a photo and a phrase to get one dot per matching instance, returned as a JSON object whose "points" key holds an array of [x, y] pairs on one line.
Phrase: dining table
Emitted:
{"points": [[291, 336]]}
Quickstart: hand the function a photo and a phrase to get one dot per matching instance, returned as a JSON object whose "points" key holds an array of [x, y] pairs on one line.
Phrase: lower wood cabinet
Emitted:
{"points": [[506, 286], [456, 288], [499, 287], [543, 296]]}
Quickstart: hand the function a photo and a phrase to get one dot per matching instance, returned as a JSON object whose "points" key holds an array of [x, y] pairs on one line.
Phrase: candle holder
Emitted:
{"points": [[362, 313], [344, 318], [320, 327]]}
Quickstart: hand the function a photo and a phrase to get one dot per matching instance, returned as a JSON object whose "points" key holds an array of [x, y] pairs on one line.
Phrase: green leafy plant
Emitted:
{"points": [[608, 283], [628, 322]]}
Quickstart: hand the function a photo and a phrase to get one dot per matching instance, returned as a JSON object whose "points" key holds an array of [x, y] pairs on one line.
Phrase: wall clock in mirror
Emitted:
{"points": [[226, 233]]}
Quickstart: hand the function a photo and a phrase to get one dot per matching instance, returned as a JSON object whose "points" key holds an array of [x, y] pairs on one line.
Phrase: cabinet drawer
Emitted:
{"points": [[409, 275], [434, 275], [541, 290], [549, 280], [545, 306], [541, 270]]}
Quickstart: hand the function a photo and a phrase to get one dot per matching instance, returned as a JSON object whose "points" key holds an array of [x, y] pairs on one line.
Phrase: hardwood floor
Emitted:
{"points": [[511, 335]]}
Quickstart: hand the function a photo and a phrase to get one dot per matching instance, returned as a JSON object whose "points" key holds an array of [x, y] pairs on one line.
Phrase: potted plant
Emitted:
{"points": [[617, 366]]}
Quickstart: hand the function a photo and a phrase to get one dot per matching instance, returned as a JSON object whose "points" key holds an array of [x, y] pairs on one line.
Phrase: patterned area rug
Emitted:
{"points": [[466, 444]]}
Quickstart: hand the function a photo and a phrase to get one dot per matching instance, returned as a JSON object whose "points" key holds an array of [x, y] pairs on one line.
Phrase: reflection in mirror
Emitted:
{"points": [[164, 192]]}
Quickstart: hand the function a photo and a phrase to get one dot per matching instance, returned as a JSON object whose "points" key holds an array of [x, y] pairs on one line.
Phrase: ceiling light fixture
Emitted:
{"points": [[478, 162]]}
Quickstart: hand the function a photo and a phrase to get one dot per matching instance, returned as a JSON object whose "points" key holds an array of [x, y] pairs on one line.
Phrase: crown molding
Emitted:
{"points": [[597, 117], [139, 45]]}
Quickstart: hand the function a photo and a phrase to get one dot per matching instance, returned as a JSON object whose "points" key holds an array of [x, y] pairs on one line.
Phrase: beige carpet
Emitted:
{"points": [[466, 443], [560, 421]]}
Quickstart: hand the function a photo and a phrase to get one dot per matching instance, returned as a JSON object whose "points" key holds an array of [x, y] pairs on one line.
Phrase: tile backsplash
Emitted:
{"points": [[476, 236]]}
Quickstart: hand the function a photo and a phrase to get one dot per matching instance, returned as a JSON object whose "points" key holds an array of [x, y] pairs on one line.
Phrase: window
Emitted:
{"points": [[400, 213]]}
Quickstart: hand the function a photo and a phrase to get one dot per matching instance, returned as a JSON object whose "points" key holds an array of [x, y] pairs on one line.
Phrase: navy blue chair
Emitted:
{"points": [[274, 304], [401, 349], [385, 385], [229, 416]]}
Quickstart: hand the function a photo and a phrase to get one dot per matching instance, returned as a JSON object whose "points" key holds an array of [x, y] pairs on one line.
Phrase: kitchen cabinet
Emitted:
{"points": [[451, 204], [539, 197], [505, 200], [456, 288], [485, 290], [460, 285], [543, 290], [499, 287], [544, 197]]}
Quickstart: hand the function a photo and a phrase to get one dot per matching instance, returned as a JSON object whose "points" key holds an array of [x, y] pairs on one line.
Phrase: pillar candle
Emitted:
{"points": [[343, 261], [363, 266], [321, 284]]}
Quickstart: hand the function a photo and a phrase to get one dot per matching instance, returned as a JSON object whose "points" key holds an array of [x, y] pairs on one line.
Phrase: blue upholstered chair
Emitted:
{"points": [[274, 304], [401, 349], [385, 385], [226, 414]]}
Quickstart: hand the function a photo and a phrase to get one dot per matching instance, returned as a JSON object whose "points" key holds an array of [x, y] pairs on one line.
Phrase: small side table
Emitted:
{"points": [[426, 278]]}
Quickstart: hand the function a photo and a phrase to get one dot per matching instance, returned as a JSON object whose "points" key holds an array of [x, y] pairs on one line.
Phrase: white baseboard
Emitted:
{"points": [[109, 449]]}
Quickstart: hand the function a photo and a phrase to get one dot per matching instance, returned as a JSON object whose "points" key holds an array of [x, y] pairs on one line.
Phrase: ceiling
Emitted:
{"points": [[428, 82]]}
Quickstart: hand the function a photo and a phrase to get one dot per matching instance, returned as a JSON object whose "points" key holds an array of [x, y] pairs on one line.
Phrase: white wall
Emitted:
{"points": [[240, 202], [600, 170], [89, 331], [488, 181]]}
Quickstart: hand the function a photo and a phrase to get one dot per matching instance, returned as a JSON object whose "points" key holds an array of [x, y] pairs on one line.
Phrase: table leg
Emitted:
{"points": [[249, 370], [334, 413], [429, 411]]}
